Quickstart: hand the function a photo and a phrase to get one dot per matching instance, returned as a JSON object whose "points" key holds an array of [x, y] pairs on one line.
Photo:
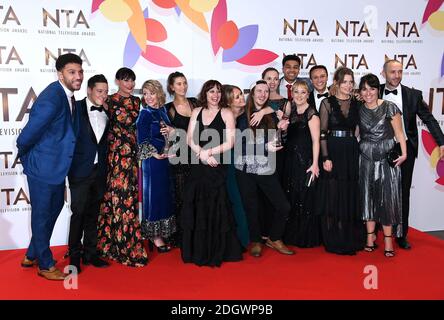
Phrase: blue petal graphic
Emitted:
{"points": [[245, 42]]}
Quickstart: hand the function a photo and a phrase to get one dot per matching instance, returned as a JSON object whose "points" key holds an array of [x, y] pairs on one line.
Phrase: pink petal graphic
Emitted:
{"points": [[218, 19], [428, 141], [440, 168], [95, 5], [161, 57], [131, 53], [257, 57], [432, 6], [246, 41], [440, 181]]}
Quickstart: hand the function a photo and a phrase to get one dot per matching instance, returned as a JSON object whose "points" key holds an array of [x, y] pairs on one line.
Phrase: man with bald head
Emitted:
{"points": [[411, 103]]}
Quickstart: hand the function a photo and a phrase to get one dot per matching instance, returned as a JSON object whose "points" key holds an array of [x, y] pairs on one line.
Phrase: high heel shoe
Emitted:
{"points": [[374, 246], [160, 249], [389, 253]]}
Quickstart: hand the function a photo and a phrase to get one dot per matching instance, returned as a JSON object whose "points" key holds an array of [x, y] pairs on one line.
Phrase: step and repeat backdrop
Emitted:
{"points": [[232, 41]]}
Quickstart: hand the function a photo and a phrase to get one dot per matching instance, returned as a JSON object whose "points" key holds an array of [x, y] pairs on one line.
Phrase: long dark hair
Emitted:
{"points": [[207, 86], [267, 120]]}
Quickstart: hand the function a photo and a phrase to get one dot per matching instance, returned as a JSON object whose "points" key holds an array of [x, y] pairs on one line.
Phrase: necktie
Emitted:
{"points": [[94, 108], [290, 98], [325, 95], [73, 107], [395, 92]]}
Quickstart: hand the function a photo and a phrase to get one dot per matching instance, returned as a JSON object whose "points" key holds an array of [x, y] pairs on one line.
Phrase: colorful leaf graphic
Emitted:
{"points": [[442, 66], [145, 13], [440, 181], [428, 141], [203, 6], [246, 41], [136, 23], [440, 168], [436, 20], [432, 6], [116, 10], [161, 57], [228, 34], [257, 57], [155, 31], [166, 4], [95, 5], [196, 17], [132, 51], [434, 157], [218, 19]]}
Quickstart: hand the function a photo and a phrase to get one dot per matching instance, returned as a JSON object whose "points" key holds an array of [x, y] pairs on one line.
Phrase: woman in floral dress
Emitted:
{"points": [[119, 232]]}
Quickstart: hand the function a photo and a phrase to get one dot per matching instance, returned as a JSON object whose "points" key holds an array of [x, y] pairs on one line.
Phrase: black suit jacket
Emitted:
{"points": [[86, 148], [414, 105]]}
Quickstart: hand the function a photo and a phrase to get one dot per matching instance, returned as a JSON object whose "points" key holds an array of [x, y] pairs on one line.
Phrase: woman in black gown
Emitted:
{"points": [[179, 111], [209, 230], [301, 161], [338, 198]]}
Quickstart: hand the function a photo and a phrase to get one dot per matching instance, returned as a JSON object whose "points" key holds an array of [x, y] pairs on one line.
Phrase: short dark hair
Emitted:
{"points": [[318, 66], [290, 57], [66, 58], [96, 79], [371, 80], [170, 80], [125, 74]]}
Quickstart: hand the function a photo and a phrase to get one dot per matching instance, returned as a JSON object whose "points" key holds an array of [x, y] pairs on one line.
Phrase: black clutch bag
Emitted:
{"points": [[310, 179], [394, 154]]}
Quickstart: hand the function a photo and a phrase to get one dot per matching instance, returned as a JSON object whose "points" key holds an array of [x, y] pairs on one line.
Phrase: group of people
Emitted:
{"points": [[298, 163]]}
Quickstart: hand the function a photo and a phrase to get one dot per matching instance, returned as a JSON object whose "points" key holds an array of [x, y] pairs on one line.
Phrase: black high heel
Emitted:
{"points": [[160, 249], [389, 253], [374, 246]]}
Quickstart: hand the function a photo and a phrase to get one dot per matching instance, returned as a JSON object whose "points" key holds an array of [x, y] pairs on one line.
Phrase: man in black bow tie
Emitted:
{"points": [[87, 177], [411, 103], [318, 77]]}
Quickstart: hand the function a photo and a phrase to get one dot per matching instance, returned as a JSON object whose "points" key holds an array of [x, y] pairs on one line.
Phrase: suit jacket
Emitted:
{"points": [[311, 99], [86, 148], [413, 105], [46, 144]]}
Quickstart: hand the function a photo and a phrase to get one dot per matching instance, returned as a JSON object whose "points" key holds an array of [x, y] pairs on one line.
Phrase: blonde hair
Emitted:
{"points": [[156, 87]]}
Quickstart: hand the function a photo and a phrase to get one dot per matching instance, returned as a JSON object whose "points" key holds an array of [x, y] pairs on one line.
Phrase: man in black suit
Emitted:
{"points": [[411, 103], [87, 176], [319, 77]]}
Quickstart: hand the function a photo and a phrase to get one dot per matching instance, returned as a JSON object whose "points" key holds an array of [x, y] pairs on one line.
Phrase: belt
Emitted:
{"points": [[341, 133]]}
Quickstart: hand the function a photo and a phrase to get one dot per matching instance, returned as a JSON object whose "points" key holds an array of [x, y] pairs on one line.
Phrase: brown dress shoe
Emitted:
{"points": [[279, 246], [52, 274], [27, 263], [256, 249]]}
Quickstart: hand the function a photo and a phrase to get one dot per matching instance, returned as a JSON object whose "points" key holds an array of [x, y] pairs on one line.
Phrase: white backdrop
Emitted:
{"points": [[359, 34]]}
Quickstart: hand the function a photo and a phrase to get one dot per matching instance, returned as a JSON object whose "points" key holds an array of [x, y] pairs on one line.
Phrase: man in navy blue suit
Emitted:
{"points": [[46, 147], [87, 176]]}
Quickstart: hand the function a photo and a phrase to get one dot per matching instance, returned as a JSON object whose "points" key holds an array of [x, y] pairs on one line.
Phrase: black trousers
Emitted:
{"points": [[249, 186], [85, 206], [406, 181]]}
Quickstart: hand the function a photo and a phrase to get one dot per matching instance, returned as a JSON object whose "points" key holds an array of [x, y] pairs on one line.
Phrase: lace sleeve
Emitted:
{"points": [[324, 112]]}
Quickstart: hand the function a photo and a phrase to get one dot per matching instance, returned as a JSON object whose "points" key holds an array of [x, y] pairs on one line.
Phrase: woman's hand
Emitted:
{"points": [[160, 156], [271, 147], [314, 169], [279, 114], [328, 165], [400, 160], [283, 124], [204, 155], [167, 130], [256, 118], [212, 162]]}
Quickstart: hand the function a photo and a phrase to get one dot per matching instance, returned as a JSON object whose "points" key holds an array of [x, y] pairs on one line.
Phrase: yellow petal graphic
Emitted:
{"points": [[136, 24], [196, 17], [203, 5], [436, 20], [115, 10], [434, 157]]}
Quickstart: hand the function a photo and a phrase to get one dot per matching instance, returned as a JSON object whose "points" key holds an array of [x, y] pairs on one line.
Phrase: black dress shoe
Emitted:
{"points": [[403, 243], [96, 262], [75, 262]]}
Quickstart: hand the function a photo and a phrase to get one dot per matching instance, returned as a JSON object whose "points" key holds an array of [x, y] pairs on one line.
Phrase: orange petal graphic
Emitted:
{"points": [[228, 34], [166, 4], [136, 23], [196, 17], [161, 57], [155, 30]]}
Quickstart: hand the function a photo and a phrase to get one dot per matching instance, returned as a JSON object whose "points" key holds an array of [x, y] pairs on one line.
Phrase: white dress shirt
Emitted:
{"points": [[318, 100], [396, 99], [69, 95], [98, 121]]}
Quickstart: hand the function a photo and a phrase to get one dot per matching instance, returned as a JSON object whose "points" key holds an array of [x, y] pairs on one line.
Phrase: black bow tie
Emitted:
{"points": [[395, 92], [94, 108], [323, 95]]}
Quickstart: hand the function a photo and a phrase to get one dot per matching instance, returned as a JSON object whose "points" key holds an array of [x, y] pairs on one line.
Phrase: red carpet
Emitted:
{"points": [[310, 274]]}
